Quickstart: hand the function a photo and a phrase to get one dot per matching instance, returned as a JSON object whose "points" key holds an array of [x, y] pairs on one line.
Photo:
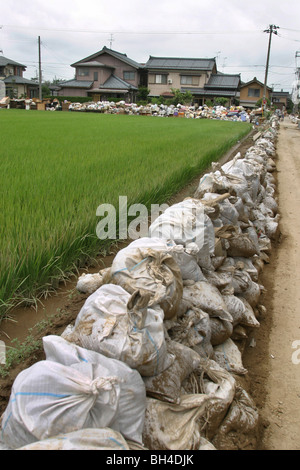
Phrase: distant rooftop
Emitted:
{"points": [[179, 63]]}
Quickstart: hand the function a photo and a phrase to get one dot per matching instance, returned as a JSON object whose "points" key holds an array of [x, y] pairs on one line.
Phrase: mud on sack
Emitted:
{"points": [[122, 326], [152, 271]]}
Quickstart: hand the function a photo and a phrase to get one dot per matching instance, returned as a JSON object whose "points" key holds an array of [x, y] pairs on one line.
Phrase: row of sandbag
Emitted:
{"points": [[148, 356]]}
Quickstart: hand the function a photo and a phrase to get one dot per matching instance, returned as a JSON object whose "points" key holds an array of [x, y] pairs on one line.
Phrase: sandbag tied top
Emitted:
{"points": [[122, 326], [49, 398], [147, 265], [186, 223]]}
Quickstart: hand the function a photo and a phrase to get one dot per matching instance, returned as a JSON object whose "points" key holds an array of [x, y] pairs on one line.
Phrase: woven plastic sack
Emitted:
{"points": [[84, 439], [207, 297], [129, 419], [122, 326], [228, 356], [146, 266], [49, 398], [185, 223], [167, 385], [240, 428], [180, 426]]}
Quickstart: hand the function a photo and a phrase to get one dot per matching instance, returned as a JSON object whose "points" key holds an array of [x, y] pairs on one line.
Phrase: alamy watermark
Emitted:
{"points": [[133, 222], [2, 352], [296, 354]]}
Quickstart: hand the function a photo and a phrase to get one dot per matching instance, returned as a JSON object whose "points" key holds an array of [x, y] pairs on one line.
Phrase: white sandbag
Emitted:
{"points": [[179, 426], [228, 356], [88, 283], [129, 419], [123, 327], [152, 270], [185, 223], [167, 385], [186, 258], [49, 398], [84, 439], [210, 183]]}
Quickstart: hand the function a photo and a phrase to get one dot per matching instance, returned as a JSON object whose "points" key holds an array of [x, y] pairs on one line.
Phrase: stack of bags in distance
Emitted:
{"points": [[154, 357]]}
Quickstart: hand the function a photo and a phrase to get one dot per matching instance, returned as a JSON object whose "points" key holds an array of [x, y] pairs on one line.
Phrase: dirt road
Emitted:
{"points": [[281, 407]]}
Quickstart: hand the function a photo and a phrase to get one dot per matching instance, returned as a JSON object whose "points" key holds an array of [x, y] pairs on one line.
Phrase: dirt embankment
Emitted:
{"points": [[274, 373]]}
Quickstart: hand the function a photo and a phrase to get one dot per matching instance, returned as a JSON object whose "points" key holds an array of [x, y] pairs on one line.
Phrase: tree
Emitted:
{"points": [[221, 101], [143, 93], [181, 98]]}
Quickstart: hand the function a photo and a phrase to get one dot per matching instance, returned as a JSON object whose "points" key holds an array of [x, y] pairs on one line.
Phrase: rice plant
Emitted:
{"points": [[57, 168]]}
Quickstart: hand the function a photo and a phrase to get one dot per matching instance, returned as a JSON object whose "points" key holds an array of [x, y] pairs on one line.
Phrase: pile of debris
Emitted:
{"points": [[154, 357], [162, 110]]}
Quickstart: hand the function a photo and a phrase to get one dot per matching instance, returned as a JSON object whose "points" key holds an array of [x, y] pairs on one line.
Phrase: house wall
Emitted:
{"points": [[72, 92], [175, 78], [244, 93], [103, 75], [120, 67]]}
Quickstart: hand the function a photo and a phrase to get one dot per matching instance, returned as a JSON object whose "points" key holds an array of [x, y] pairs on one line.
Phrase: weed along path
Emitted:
{"points": [[282, 404]]}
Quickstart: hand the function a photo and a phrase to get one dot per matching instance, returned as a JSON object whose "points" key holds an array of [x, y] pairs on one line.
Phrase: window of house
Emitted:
{"points": [[95, 76], [254, 92], [158, 78], [83, 72], [189, 80], [128, 75]]}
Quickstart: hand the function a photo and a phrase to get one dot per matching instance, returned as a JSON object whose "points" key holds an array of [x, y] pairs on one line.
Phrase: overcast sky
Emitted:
{"points": [[230, 30]]}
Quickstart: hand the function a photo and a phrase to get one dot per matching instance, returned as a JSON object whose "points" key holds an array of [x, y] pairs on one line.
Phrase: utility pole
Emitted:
{"points": [[40, 70], [272, 30]]}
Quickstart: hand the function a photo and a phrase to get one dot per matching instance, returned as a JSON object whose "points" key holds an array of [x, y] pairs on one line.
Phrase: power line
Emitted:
{"points": [[65, 30]]}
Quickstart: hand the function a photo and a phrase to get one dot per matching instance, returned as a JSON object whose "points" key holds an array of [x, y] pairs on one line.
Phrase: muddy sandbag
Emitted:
{"points": [[155, 271], [84, 439], [167, 385], [228, 356], [220, 330], [240, 244], [252, 293], [89, 282], [124, 327], [194, 331], [180, 426], [241, 314], [240, 428], [205, 296]]}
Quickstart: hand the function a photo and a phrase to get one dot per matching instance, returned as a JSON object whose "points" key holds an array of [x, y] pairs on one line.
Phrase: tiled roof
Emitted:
{"points": [[5, 61], [19, 80], [76, 83], [114, 82], [118, 55], [165, 63], [223, 81]]}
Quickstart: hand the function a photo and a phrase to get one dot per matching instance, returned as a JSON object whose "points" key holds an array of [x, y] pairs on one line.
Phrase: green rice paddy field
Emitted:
{"points": [[56, 168]]}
